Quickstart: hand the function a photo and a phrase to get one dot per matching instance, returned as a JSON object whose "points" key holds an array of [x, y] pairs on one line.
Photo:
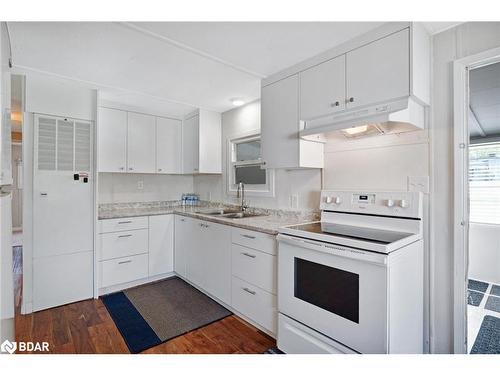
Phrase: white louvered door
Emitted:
{"points": [[62, 212]]}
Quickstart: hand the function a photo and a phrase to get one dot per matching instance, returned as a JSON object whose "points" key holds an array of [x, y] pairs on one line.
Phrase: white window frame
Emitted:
{"points": [[264, 190]]}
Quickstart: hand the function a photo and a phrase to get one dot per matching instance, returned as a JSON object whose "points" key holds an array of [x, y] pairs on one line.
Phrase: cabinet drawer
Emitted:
{"points": [[255, 240], [123, 270], [125, 243], [127, 223], [254, 266], [255, 303]]}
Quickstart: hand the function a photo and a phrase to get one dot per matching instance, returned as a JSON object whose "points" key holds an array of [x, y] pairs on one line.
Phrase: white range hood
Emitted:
{"points": [[399, 116]]}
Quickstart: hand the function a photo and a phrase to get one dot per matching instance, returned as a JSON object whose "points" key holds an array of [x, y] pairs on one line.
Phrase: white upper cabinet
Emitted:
{"points": [[112, 125], [281, 144], [201, 143], [168, 146], [322, 89], [141, 143], [379, 71]]}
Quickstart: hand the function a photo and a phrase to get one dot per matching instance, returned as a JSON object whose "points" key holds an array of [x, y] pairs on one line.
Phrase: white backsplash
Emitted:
{"points": [[123, 187]]}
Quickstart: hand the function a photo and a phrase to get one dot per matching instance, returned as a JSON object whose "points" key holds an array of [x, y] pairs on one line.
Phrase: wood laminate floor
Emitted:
{"points": [[87, 327]]}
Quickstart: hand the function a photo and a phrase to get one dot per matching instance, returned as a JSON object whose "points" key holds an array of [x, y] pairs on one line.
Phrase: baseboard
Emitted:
{"points": [[131, 284]]}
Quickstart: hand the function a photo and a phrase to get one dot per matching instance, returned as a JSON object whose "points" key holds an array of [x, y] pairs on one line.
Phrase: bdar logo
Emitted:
{"points": [[8, 347]]}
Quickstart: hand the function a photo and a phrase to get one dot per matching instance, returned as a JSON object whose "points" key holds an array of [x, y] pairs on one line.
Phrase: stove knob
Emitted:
{"points": [[403, 203], [337, 200], [328, 200], [390, 203]]}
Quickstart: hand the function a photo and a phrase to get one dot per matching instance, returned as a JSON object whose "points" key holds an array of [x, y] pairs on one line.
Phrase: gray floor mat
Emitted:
{"points": [[493, 304], [488, 338], [477, 285], [474, 298]]}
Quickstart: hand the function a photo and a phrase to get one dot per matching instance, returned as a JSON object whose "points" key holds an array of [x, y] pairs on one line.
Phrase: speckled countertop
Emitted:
{"points": [[269, 222]]}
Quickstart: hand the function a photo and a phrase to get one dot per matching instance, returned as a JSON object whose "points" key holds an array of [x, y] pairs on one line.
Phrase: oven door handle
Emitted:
{"points": [[343, 251]]}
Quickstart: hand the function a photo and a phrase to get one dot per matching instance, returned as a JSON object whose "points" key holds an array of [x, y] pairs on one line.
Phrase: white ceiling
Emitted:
{"points": [[174, 67], [484, 86]]}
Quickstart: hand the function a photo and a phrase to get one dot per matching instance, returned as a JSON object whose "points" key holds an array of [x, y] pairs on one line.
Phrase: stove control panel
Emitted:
{"points": [[399, 204]]}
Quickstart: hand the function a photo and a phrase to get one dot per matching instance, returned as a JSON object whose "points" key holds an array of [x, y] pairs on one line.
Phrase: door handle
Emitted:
{"points": [[252, 292], [125, 235], [125, 261], [43, 194], [248, 236], [124, 222], [249, 255]]}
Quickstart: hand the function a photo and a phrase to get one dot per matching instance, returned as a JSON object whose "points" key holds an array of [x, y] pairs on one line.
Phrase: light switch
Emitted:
{"points": [[294, 201], [418, 183], [140, 185]]}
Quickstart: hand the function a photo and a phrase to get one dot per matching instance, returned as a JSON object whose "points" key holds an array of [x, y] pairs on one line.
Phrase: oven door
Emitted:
{"points": [[340, 292]]}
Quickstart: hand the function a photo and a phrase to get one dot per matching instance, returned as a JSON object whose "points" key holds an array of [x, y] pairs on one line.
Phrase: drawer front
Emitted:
{"points": [[255, 267], [255, 240], [255, 303], [126, 223], [123, 270], [125, 243]]}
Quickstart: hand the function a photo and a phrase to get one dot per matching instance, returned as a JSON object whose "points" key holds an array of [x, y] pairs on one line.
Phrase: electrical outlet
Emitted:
{"points": [[140, 185], [418, 183], [294, 201]]}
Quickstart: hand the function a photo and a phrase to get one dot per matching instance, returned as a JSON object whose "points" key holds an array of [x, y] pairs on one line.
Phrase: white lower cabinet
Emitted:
{"points": [[161, 244], [181, 243], [134, 250]]}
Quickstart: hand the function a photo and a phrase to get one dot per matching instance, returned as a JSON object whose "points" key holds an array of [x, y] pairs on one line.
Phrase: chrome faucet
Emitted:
{"points": [[241, 194]]}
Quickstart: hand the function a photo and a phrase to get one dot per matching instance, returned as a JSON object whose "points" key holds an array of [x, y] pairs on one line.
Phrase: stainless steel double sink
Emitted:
{"points": [[228, 213]]}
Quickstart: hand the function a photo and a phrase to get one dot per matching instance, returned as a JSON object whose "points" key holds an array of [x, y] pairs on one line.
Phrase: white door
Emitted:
{"points": [[280, 123], [190, 145], [217, 251], [379, 71], [112, 140], [322, 89], [180, 244], [141, 132], [161, 244], [62, 212], [168, 145]]}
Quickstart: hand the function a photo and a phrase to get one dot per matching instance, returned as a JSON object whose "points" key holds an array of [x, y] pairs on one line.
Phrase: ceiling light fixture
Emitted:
{"points": [[237, 102]]}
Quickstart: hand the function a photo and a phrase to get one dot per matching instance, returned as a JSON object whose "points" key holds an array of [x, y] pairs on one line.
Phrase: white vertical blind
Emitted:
{"points": [[484, 183]]}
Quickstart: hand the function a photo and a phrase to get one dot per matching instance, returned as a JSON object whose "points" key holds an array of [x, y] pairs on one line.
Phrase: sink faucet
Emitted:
{"points": [[241, 194]]}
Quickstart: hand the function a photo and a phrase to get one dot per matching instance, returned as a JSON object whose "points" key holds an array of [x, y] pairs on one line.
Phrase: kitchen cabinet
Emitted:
{"points": [[379, 71], [281, 145], [322, 89], [112, 136], [141, 133], [201, 143], [182, 237], [168, 146], [161, 244]]}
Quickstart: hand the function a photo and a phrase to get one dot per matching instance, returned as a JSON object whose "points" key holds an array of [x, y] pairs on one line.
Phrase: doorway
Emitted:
{"points": [[477, 204]]}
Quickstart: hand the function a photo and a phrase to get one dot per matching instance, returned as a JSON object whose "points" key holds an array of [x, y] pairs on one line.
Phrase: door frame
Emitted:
{"points": [[461, 68]]}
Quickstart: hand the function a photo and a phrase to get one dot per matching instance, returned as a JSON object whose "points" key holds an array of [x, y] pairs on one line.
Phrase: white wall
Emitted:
{"points": [[463, 40], [122, 187], [484, 252], [306, 184]]}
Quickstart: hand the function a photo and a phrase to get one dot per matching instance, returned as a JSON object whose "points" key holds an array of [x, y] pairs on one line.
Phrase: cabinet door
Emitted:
{"points": [[168, 145], [190, 145], [322, 89], [379, 71], [161, 244], [280, 123], [217, 247], [181, 238], [141, 143], [112, 130], [196, 253]]}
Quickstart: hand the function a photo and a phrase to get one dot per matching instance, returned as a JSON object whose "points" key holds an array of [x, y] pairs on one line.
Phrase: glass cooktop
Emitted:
{"points": [[348, 231]]}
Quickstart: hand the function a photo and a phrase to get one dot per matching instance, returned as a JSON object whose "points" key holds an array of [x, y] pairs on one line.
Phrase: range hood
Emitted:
{"points": [[399, 116]]}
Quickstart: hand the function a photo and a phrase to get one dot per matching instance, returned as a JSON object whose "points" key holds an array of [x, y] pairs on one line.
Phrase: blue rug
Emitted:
{"points": [[488, 338], [151, 314]]}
